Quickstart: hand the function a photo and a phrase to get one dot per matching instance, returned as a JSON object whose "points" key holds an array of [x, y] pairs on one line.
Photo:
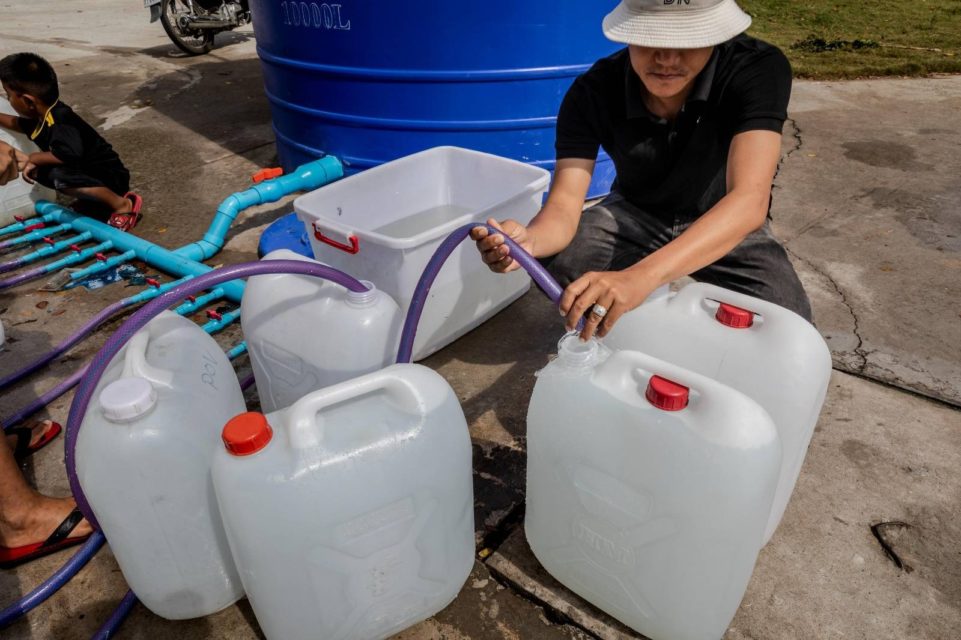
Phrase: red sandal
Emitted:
{"points": [[128, 220], [11, 557], [23, 448]]}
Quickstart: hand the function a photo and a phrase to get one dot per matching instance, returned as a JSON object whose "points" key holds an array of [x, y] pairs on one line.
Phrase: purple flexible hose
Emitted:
{"points": [[143, 315], [538, 273], [23, 277], [44, 399], [52, 584], [11, 265], [119, 614], [71, 340]]}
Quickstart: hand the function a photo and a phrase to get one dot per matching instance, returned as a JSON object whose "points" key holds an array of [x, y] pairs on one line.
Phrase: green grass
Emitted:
{"points": [[830, 39]]}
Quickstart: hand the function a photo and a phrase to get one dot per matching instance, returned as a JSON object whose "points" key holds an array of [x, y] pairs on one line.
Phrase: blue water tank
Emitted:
{"points": [[371, 81]]}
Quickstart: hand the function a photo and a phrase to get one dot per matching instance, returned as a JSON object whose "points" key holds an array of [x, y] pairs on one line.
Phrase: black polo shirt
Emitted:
{"points": [[77, 145], [675, 168]]}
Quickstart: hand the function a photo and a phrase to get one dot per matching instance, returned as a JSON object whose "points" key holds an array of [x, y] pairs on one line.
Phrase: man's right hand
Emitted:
{"points": [[494, 252]]}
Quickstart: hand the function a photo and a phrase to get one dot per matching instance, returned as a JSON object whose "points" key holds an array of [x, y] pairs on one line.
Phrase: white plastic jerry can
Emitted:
{"points": [[763, 350], [648, 488], [143, 461], [305, 333], [350, 513]]}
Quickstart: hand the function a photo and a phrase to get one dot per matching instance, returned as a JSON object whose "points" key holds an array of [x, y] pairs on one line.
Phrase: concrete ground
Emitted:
{"points": [[867, 202]]}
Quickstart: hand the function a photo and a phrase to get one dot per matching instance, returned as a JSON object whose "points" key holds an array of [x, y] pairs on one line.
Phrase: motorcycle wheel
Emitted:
{"points": [[192, 41]]}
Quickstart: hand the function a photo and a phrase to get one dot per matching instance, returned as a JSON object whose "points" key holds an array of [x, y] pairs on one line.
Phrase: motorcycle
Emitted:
{"points": [[192, 24]]}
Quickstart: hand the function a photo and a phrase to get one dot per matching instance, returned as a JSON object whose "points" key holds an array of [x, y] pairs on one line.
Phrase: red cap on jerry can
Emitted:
{"points": [[247, 433], [736, 317], [666, 395]]}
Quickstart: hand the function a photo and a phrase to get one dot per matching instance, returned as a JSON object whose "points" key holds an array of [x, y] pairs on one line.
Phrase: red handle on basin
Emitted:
{"points": [[353, 247]]}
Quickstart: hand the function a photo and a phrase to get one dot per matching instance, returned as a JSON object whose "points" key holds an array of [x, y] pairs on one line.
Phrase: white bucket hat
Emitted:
{"points": [[675, 24]]}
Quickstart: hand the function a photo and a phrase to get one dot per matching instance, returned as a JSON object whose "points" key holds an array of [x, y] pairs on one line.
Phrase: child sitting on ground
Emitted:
{"points": [[74, 158]]}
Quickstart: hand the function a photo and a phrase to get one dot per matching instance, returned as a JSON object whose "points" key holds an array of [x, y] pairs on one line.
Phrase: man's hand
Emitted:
{"points": [[9, 163], [494, 252], [616, 291]]}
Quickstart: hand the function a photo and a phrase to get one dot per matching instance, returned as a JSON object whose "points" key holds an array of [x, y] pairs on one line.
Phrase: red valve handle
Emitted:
{"points": [[34, 227], [48, 240], [75, 248], [266, 174], [213, 315], [353, 247], [100, 257], [152, 282]]}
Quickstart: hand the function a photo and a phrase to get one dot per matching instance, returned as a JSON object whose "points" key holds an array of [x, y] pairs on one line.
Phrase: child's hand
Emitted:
{"points": [[22, 159], [29, 172]]}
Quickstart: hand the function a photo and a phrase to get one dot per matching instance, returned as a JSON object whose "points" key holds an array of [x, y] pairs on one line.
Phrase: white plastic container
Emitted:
{"points": [[647, 498], [763, 350], [143, 461], [17, 197], [385, 223], [306, 333], [350, 513]]}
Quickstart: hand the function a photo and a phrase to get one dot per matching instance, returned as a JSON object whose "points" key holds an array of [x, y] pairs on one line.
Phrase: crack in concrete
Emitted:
{"points": [[233, 154], [859, 348], [878, 531], [552, 615], [796, 134]]}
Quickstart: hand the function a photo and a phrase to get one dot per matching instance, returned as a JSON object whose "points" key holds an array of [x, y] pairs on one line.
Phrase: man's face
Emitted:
{"points": [[668, 72], [22, 103]]}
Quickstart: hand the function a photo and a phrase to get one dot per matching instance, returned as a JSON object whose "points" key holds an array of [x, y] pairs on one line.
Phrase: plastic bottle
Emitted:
{"points": [[648, 488], [763, 350], [306, 333], [350, 513], [143, 461]]}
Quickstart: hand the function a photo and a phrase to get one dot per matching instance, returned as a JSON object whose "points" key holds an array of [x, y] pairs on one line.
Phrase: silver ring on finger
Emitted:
{"points": [[599, 310]]}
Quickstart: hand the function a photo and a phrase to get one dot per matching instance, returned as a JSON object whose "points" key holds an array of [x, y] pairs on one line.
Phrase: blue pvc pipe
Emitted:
{"points": [[17, 227], [238, 350], [154, 255], [78, 256], [200, 302], [104, 265], [216, 325], [306, 177], [186, 260], [33, 236], [39, 254]]}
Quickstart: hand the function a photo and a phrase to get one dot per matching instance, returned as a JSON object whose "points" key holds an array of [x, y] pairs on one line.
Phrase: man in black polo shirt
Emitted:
{"points": [[691, 115]]}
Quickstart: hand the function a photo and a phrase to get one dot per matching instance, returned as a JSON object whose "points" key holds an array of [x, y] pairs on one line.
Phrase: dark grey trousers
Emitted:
{"points": [[615, 234]]}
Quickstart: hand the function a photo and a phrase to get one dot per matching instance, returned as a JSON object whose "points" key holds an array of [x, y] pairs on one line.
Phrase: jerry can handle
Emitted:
{"points": [[306, 431], [352, 248], [135, 363], [693, 297]]}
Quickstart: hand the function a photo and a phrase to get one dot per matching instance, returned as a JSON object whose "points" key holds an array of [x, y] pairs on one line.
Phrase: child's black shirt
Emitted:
{"points": [[76, 144]]}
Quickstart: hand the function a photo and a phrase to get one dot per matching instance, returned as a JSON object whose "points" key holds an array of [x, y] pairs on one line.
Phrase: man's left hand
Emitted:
{"points": [[616, 292]]}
